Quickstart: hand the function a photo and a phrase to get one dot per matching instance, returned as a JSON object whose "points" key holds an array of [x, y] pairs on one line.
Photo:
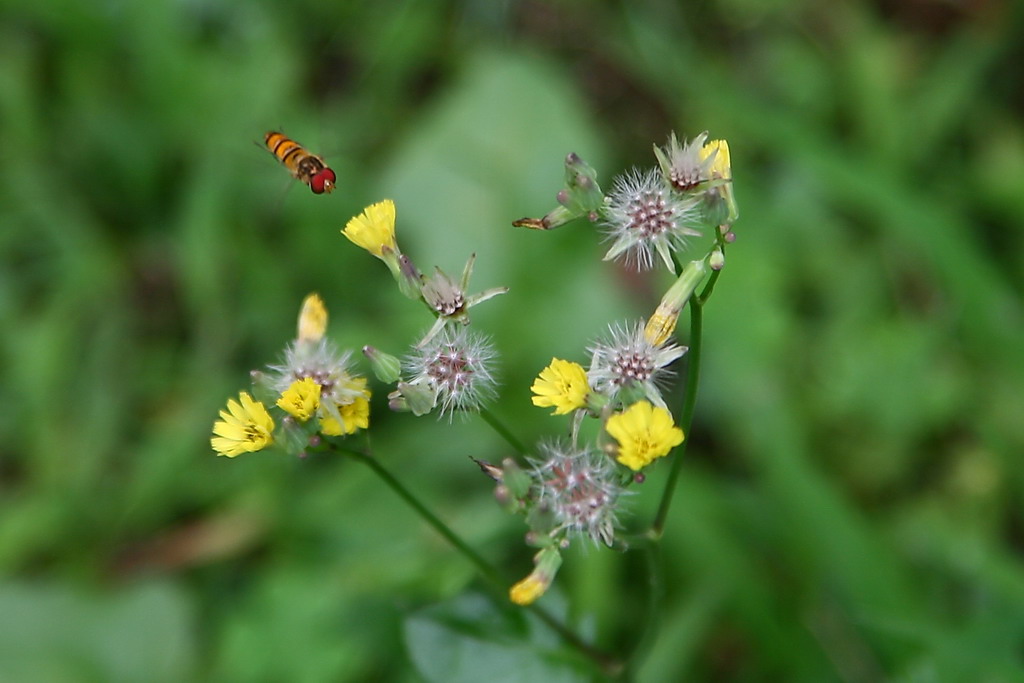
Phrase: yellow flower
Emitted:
{"points": [[374, 228], [562, 385], [354, 415], [721, 166], [721, 170], [525, 592], [301, 399], [312, 319], [243, 428], [644, 433]]}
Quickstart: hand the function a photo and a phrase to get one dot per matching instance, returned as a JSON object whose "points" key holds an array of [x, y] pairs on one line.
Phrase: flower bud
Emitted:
{"points": [[515, 478], [581, 197], [716, 260], [418, 398], [386, 368], [503, 495]]}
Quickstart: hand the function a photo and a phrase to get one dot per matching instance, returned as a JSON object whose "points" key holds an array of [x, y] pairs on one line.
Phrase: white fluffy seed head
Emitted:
{"points": [[580, 488], [626, 360], [458, 364], [644, 217]]}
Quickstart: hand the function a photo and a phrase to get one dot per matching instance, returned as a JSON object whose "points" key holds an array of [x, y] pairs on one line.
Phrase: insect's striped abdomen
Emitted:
{"points": [[307, 168]]}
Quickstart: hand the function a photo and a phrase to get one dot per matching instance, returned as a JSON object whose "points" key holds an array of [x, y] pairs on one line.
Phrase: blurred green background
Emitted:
{"points": [[851, 507]]}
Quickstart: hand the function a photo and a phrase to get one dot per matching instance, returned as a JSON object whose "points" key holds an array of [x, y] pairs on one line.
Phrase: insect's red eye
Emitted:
{"points": [[322, 181]]}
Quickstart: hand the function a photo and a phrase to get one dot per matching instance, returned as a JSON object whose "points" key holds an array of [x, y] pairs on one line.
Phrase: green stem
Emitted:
{"points": [[689, 402], [485, 567], [609, 665], [502, 431], [653, 537], [655, 600], [709, 287]]}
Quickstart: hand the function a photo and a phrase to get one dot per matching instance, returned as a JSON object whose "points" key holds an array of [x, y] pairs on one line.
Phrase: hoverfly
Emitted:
{"points": [[307, 168]]}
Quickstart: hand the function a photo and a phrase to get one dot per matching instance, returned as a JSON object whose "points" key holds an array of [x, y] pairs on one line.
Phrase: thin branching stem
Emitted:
{"points": [[607, 664], [503, 431], [696, 305], [655, 601], [485, 568], [686, 417]]}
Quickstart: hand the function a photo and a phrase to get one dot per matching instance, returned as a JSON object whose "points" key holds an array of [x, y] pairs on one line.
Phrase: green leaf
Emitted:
{"points": [[467, 640]]}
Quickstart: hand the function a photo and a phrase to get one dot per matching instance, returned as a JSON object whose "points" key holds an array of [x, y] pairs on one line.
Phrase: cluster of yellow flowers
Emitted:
{"points": [[313, 387], [313, 382], [643, 431]]}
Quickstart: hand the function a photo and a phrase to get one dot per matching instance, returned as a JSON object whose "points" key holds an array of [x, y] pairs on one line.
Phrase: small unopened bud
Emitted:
{"points": [[315, 441], [515, 478], [417, 398], [580, 197], [716, 260], [502, 495], [730, 237], [386, 368], [639, 477], [581, 182], [397, 402]]}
